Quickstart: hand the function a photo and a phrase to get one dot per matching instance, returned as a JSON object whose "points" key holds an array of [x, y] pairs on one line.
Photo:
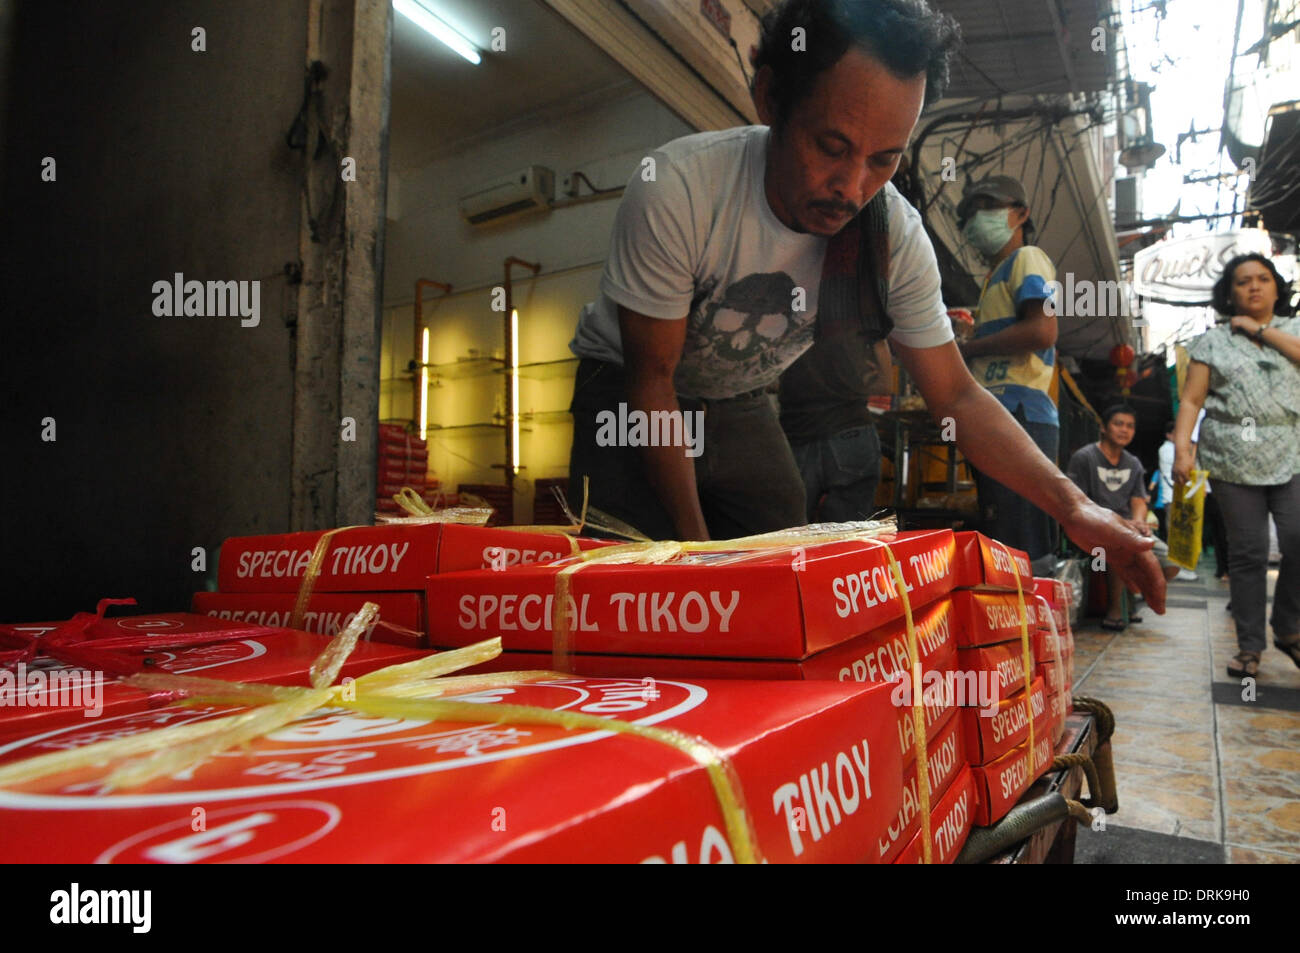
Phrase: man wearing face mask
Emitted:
{"points": [[1013, 351]]}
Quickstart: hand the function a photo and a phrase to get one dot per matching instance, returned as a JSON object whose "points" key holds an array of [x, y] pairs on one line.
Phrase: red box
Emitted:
{"points": [[986, 618], [1058, 596], [945, 757], [784, 604], [1000, 784], [401, 614], [1000, 666], [381, 558], [1053, 674], [877, 656], [982, 562], [831, 664], [950, 824], [342, 786], [1047, 646], [255, 654], [1057, 712], [989, 736]]}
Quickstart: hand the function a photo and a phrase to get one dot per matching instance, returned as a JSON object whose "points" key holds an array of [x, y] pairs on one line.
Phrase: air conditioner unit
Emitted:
{"points": [[529, 190]]}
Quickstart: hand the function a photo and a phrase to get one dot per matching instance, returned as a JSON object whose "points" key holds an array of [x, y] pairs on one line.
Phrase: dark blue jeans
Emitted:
{"points": [[1008, 516], [840, 474]]}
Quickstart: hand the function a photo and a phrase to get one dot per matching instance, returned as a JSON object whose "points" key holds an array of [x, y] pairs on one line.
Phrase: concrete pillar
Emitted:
{"points": [[336, 373]]}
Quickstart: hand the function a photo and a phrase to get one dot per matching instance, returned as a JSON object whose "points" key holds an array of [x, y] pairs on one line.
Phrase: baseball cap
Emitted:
{"points": [[1001, 187]]}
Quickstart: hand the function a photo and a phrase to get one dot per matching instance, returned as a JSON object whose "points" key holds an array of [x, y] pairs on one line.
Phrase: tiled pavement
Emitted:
{"points": [[1210, 774]]}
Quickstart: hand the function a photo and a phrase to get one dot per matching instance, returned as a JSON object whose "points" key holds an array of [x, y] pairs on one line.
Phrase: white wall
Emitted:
{"points": [[606, 140]]}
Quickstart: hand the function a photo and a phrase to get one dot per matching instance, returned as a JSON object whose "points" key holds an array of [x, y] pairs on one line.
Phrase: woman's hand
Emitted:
{"points": [[1244, 325], [1184, 462]]}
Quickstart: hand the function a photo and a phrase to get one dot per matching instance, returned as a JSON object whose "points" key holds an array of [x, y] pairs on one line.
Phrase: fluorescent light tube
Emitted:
{"points": [[431, 23]]}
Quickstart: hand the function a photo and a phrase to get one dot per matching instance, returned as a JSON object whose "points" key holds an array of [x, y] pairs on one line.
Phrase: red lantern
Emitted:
{"points": [[1130, 380], [1121, 355]]}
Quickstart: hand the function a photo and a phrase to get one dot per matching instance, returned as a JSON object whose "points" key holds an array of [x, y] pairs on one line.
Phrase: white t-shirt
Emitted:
{"points": [[701, 242]]}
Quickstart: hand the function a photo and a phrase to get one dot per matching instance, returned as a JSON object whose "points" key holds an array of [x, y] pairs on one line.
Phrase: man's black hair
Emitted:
{"points": [[1114, 409], [1221, 296], [905, 35], [1170, 428]]}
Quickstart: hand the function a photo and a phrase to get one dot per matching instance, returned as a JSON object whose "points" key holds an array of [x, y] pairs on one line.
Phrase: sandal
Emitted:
{"points": [[1290, 648], [1113, 625], [1246, 665]]}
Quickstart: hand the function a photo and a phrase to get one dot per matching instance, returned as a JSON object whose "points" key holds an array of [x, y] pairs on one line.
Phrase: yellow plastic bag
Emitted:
{"points": [[1187, 519]]}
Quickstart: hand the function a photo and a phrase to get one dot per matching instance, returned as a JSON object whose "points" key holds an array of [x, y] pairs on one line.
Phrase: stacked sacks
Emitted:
{"points": [[403, 462], [259, 578], [1008, 725]]}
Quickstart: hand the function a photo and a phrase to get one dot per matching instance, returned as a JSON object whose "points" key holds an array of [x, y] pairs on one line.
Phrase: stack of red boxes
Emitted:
{"points": [[817, 771], [403, 461], [1054, 649], [258, 577], [993, 581], [827, 767], [814, 612]]}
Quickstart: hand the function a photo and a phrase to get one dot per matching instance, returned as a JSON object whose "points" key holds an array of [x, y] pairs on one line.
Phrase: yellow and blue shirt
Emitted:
{"points": [[1017, 380]]}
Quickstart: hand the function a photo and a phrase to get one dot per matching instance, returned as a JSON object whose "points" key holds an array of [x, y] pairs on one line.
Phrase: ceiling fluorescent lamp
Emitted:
{"points": [[431, 23]]}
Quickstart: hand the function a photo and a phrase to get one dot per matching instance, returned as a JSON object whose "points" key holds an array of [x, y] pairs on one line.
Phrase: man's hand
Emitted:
{"points": [[1127, 553], [990, 438]]}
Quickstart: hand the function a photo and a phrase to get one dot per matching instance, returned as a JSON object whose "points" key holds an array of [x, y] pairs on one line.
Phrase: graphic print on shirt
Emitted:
{"points": [[741, 334], [1114, 478]]}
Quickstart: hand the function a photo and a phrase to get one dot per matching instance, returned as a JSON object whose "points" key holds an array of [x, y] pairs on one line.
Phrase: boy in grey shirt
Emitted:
{"points": [[1112, 477]]}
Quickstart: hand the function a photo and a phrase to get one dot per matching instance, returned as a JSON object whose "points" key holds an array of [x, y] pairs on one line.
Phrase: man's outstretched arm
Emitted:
{"points": [[991, 439]]}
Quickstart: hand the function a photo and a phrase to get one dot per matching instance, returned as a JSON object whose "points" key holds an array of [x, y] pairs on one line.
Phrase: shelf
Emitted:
{"points": [[547, 417], [483, 428], [470, 367], [546, 370]]}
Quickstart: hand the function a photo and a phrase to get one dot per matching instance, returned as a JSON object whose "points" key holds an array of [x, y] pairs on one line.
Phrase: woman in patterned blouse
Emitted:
{"points": [[1246, 373]]}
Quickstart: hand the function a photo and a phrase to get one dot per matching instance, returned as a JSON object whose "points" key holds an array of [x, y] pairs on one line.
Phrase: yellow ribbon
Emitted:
{"points": [[310, 575], [405, 690], [1024, 650], [418, 511], [918, 710], [657, 553], [749, 547]]}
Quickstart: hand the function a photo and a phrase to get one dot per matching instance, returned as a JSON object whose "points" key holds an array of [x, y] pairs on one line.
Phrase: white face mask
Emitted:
{"points": [[988, 231]]}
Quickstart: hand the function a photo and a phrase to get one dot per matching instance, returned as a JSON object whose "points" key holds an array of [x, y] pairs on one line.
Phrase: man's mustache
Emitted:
{"points": [[834, 208]]}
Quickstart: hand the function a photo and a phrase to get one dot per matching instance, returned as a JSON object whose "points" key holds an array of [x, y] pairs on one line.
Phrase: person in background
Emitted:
{"points": [[1013, 351], [1245, 373], [1112, 477], [825, 417], [1162, 484]]}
